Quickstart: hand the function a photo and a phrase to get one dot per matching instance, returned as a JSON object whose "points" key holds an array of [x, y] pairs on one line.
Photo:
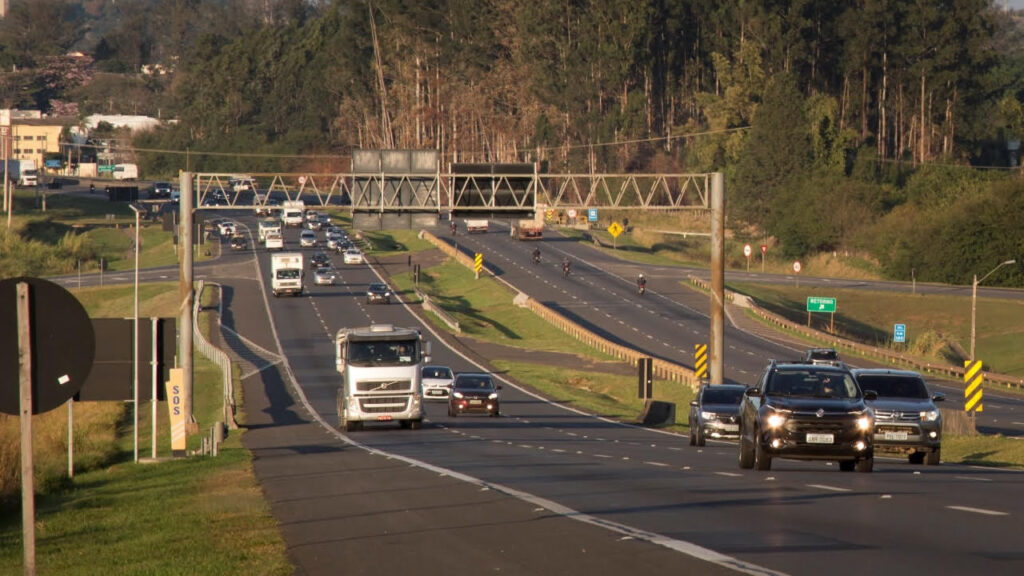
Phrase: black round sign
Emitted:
{"points": [[62, 341]]}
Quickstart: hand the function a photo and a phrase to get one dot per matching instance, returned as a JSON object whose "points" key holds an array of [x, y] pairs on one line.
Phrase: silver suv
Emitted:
{"points": [[906, 419]]}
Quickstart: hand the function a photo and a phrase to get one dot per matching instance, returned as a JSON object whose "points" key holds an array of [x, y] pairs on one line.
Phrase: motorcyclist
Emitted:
{"points": [[453, 227], [641, 283], [92, 188], [536, 255], [565, 265]]}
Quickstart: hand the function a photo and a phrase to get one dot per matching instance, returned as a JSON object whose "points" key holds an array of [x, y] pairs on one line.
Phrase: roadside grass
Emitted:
{"points": [[610, 396], [197, 515], [938, 325], [485, 311], [394, 242], [984, 451]]}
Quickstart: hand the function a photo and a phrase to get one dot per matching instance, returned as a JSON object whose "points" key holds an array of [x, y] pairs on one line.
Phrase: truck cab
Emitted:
{"points": [[381, 370]]}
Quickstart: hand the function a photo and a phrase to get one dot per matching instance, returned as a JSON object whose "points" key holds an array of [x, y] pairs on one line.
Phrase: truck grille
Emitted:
{"points": [[384, 404], [896, 416], [384, 386], [810, 424]]}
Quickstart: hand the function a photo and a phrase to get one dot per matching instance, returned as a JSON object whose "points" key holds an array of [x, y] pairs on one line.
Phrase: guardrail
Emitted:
{"points": [[438, 311], [661, 369], [876, 352], [215, 355]]}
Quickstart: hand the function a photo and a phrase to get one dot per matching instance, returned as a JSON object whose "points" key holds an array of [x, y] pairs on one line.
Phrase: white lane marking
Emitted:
{"points": [[729, 474], [602, 456], [661, 464], [978, 510], [972, 478], [829, 488]]}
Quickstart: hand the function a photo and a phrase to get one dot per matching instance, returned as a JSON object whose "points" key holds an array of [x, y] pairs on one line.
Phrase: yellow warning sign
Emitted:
{"points": [[700, 361], [615, 229], [972, 389]]}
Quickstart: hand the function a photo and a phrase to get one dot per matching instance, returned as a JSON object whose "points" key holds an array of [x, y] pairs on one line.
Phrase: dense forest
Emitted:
{"points": [[882, 127]]}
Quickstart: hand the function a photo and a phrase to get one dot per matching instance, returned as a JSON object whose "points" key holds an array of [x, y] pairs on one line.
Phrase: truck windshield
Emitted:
{"points": [[382, 353], [291, 274]]}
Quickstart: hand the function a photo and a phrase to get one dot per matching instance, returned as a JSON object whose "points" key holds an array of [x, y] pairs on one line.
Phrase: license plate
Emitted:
{"points": [[433, 392], [385, 418], [895, 436], [820, 438], [731, 427], [476, 401]]}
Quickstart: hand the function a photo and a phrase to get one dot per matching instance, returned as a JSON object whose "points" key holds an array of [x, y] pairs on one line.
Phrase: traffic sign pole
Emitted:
{"points": [[28, 502]]}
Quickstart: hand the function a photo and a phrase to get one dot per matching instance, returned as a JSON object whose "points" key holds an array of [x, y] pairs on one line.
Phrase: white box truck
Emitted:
{"points": [[21, 172], [292, 212], [476, 226], [286, 273], [268, 225], [126, 172], [380, 368]]}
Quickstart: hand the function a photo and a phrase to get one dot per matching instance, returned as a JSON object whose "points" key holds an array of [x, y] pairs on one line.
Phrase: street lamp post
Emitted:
{"points": [[135, 337], [974, 301]]}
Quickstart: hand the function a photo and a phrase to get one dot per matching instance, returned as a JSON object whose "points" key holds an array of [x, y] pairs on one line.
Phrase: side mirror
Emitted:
{"points": [[752, 393], [938, 397], [870, 395], [693, 403]]}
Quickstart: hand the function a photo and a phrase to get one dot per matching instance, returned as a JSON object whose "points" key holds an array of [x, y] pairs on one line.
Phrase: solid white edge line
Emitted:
{"points": [[978, 510]]}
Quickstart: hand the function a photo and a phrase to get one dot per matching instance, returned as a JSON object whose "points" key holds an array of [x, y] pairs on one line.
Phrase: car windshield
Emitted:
{"points": [[813, 383], [439, 373], [378, 288], [894, 386], [474, 383], [376, 353], [731, 396]]}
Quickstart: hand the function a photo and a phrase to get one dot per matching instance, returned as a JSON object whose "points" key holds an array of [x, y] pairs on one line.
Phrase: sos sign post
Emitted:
{"points": [[176, 410]]}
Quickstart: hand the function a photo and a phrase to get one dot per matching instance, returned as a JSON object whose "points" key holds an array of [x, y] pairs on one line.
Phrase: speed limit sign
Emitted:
{"points": [[571, 212], [747, 251], [796, 266], [302, 180]]}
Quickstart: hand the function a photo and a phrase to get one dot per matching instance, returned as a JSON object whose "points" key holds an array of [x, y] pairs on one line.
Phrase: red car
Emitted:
{"points": [[474, 392]]}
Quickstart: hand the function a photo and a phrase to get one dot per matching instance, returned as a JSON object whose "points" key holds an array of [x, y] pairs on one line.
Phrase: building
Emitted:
{"points": [[33, 136]]}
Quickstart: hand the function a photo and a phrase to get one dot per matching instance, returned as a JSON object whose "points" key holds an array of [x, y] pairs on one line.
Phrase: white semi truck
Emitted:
{"points": [[292, 212], [286, 273], [380, 368]]}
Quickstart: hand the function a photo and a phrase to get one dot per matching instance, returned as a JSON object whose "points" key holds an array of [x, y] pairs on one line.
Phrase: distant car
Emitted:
{"points": [[160, 190], [320, 260], [227, 228], [324, 220], [806, 411], [474, 392], [244, 184], [307, 239], [313, 224], [378, 293], [906, 418], [437, 381], [268, 207], [715, 413], [353, 256], [823, 356], [238, 242], [324, 277]]}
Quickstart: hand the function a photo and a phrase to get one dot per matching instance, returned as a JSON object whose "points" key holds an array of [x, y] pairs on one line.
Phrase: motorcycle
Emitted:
{"points": [[536, 258], [453, 228], [565, 269], [642, 289]]}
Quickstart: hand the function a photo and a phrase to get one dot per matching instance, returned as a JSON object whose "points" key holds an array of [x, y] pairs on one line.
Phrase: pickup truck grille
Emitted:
{"points": [[384, 404], [896, 416]]}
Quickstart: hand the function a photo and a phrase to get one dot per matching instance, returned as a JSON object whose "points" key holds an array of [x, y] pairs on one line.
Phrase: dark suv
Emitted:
{"points": [[806, 412]]}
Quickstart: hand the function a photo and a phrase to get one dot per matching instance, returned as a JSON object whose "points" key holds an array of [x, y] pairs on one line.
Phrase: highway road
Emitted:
{"points": [[638, 485]]}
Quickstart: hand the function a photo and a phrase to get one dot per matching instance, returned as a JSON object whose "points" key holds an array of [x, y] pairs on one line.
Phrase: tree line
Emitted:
{"points": [[839, 125]]}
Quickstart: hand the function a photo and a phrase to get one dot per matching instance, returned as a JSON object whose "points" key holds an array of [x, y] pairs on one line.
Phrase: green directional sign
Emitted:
{"points": [[821, 304], [105, 168]]}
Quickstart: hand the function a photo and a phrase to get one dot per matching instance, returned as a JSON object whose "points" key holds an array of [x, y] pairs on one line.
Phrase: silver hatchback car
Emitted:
{"points": [[906, 419]]}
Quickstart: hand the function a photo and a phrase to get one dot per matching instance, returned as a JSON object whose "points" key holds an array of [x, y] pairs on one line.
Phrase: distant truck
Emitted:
{"points": [[273, 241], [476, 226], [126, 172], [380, 367], [286, 273], [530, 230], [292, 212], [21, 172], [268, 225]]}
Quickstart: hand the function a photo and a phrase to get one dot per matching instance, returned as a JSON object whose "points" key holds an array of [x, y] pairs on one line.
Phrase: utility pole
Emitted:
{"points": [[185, 290]]}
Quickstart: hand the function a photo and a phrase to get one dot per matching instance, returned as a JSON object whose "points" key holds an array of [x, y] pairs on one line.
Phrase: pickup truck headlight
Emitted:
{"points": [[929, 415], [493, 396], [864, 423], [707, 415], [776, 420], [457, 394]]}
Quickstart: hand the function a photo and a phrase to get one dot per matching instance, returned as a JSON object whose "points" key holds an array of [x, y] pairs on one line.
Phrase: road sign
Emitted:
{"points": [[63, 345], [797, 267], [821, 304], [571, 212], [972, 386], [478, 262], [591, 214], [105, 168], [302, 180], [764, 248], [615, 229], [899, 333], [747, 251], [700, 361]]}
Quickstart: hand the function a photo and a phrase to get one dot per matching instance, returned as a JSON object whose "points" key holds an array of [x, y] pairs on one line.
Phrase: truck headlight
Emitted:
{"points": [[457, 394], [864, 423], [707, 415], [929, 415], [493, 396], [776, 420]]}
